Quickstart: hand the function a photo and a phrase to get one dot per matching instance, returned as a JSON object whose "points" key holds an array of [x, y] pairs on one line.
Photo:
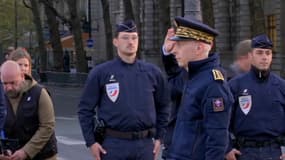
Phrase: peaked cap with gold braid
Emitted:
{"points": [[191, 29]]}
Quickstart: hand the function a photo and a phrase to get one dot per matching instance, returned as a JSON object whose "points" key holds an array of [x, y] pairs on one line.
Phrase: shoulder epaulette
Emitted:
{"points": [[217, 75]]}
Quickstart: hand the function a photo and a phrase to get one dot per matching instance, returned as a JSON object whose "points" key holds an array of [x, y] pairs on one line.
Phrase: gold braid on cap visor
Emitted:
{"points": [[186, 32]]}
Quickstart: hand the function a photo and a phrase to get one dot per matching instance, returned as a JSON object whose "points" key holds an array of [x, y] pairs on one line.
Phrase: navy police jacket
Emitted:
{"points": [[203, 118], [177, 78], [128, 97], [259, 108]]}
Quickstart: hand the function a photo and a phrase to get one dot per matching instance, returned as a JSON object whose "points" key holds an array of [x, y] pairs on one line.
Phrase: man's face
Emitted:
{"points": [[127, 43], [12, 84], [261, 58], [184, 52]]}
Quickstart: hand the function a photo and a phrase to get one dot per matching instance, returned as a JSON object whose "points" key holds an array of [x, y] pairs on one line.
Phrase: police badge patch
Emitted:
{"points": [[245, 103], [112, 90], [218, 104]]}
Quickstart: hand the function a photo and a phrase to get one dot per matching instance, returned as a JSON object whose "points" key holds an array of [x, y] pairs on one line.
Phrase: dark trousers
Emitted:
{"points": [[272, 152], [122, 149]]}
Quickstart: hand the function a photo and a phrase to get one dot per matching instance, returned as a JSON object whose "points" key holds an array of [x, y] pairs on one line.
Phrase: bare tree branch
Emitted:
{"points": [[26, 4], [61, 17]]}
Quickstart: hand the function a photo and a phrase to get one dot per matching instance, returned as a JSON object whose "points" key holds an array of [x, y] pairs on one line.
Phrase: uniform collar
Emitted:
{"points": [[125, 63], [211, 61], [261, 75]]}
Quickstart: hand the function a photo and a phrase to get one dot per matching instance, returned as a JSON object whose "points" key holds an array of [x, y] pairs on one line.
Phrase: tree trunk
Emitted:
{"points": [[39, 30], [164, 18], [192, 8], [81, 63], [128, 10], [208, 13], [257, 17], [136, 4], [108, 28], [223, 25], [54, 37]]}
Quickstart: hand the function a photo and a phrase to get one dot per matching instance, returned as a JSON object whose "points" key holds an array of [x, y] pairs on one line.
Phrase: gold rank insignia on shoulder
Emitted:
{"points": [[217, 75]]}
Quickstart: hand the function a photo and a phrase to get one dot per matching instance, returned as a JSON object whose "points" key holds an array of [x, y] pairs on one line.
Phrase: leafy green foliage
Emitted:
{"points": [[7, 22]]}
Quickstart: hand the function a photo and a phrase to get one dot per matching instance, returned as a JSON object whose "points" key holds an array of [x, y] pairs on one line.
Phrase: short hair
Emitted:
{"points": [[242, 48]]}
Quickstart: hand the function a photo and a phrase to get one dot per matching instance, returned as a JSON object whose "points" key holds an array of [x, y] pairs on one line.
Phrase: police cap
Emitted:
{"points": [[261, 41], [126, 26], [191, 29]]}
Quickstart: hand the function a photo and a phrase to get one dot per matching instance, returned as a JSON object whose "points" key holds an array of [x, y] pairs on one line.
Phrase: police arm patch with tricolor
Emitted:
{"points": [[217, 75], [218, 104]]}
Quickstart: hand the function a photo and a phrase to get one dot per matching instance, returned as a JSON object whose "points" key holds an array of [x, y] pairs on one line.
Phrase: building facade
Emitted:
{"points": [[231, 17]]}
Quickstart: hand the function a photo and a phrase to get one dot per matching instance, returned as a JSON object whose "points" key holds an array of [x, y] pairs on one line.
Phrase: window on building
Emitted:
{"points": [[271, 28]]}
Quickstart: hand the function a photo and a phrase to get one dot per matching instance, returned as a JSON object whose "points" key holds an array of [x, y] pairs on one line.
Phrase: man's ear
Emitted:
{"points": [[115, 42]]}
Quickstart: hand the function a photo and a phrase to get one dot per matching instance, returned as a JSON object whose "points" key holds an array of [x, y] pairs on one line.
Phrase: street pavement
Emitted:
{"points": [[71, 145]]}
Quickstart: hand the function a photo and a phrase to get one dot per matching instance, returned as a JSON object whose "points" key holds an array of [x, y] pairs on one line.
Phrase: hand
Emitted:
{"points": [[168, 44], [4, 157], [232, 154], [156, 148], [19, 155], [282, 156], [96, 150]]}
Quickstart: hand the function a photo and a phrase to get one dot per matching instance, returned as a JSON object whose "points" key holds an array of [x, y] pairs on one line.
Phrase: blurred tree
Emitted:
{"points": [[164, 18], [208, 13], [128, 10], [81, 63], [257, 17], [108, 28], [54, 34], [33, 5], [7, 24], [73, 22]]}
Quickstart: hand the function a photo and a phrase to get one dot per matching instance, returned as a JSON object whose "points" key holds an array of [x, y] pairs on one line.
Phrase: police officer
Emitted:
{"points": [[132, 99], [176, 81], [203, 118], [258, 112]]}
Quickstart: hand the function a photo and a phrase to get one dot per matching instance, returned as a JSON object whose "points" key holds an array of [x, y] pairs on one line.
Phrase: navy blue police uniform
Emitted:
{"points": [[177, 77], [132, 100], [203, 118], [259, 111]]}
